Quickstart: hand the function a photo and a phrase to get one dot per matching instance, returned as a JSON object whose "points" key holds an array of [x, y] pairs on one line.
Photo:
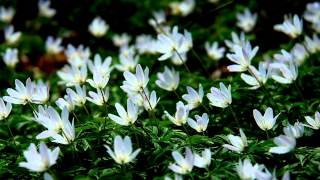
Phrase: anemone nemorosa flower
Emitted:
{"points": [[182, 165], [122, 150], [39, 161]]}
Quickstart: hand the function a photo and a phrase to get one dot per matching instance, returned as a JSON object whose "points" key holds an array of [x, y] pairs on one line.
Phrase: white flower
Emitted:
{"points": [[22, 94], [68, 131], [204, 160], [45, 10], [100, 98], [238, 143], [316, 27], [125, 117], [262, 75], [10, 57], [139, 100], [50, 119], [122, 153], [312, 13], [245, 170], [179, 60], [182, 8], [193, 98], [101, 72], [220, 97], [98, 27], [99, 80], [40, 93], [236, 40], [295, 131], [299, 53], [284, 144], [6, 14], [313, 123], [65, 102], [168, 80], [242, 56], [99, 66], [262, 173], [121, 40], [72, 75], [5, 109], [291, 27], [47, 176], [53, 46], [146, 44], [176, 177], [173, 42], [78, 97], [157, 19], [312, 45], [153, 100], [214, 51], [182, 165], [39, 161], [286, 74], [135, 83], [284, 57], [77, 56], [10, 36], [181, 115], [127, 50], [200, 124], [267, 121], [247, 20], [127, 62]]}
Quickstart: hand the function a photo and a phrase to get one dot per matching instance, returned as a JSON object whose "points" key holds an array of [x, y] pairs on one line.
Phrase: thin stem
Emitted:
{"points": [[298, 89], [205, 108], [12, 136], [85, 109], [267, 134], [234, 115], [262, 86], [123, 169], [175, 92], [182, 61], [33, 109], [75, 116], [135, 134], [64, 134], [200, 61], [146, 97], [252, 74], [105, 118]]}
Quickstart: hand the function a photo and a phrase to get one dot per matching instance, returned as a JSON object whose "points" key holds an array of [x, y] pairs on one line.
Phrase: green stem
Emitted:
{"points": [[205, 108], [234, 115], [85, 108], [145, 95], [200, 61], [182, 61], [135, 134], [12, 136], [175, 92], [298, 89], [33, 109], [75, 116]]}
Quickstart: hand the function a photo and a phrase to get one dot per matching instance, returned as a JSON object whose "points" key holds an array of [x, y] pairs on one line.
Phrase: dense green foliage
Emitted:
{"points": [[86, 157]]}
